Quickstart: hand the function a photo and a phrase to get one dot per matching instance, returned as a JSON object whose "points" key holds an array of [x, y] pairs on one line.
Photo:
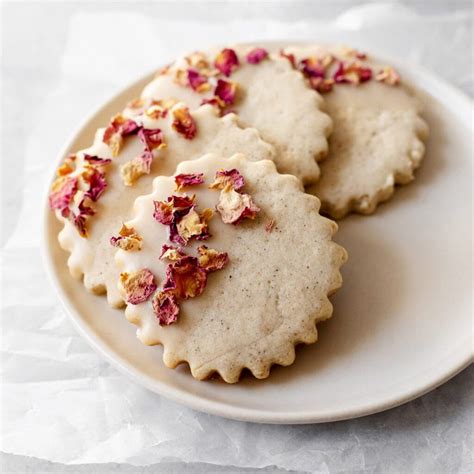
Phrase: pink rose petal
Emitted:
{"points": [[96, 161], [151, 138], [62, 192], [166, 308], [97, 184], [185, 278], [257, 55], [212, 260], [186, 179], [138, 286], [184, 123], [228, 177], [312, 67], [226, 61], [234, 207], [226, 91], [197, 81]]}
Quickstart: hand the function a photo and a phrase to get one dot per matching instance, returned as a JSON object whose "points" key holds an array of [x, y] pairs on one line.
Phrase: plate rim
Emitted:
{"points": [[458, 359]]}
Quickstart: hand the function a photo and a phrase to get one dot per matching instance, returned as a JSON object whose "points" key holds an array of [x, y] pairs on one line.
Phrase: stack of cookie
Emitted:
{"points": [[197, 208]]}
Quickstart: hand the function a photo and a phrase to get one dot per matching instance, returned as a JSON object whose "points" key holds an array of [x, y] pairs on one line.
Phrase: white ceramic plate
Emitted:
{"points": [[402, 322]]}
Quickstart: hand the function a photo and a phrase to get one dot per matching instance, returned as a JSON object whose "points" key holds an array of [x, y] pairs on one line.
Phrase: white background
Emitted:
{"points": [[60, 60]]}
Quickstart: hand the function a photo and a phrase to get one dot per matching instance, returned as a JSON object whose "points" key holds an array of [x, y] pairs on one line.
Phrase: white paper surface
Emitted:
{"points": [[61, 401]]}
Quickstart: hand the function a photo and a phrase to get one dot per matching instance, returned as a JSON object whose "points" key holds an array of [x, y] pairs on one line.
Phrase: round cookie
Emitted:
{"points": [[378, 134], [92, 256], [270, 293], [270, 96]]}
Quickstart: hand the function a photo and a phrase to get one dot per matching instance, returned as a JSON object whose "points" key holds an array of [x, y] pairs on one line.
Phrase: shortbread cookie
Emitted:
{"points": [[265, 92], [229, 289], [107, 189], [378, 132]]}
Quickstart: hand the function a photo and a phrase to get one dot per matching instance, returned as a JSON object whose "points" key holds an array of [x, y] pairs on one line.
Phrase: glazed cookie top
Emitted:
{"points": [[95, 189], [266, 93], [378, 131], [218, 280]]}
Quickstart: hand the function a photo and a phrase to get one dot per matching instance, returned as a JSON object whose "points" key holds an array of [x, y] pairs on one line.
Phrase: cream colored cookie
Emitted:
{"points": [[270, 96], [270, 294], [378, 135], [93, 256]]}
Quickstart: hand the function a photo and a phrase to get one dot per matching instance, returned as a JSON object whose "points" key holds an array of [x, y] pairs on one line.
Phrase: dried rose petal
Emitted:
{"points": [[68, 166], [113, 139], [312, 67], [228, 177], [118, 128], [226, 91], [191, 225], [65, 188], [64, 169], [291, 57], [257, 55], [174, 235], [171, 253], [156, 111], [186, 179], [84, 209], [138, 286], [165, 210], [180, 76], [269, 226], [166, 308], [353, 73], [339, 73], [185, 278], [226, 61], [133, 169], [388, 75], [321, 85], [184, 222], [129, 127], [182, 202], [197, 60], [62, 192], [79, 220], [234, 207], [96, 181], [184, 123], [151, 138], [198, 81], [365, 74], [212, 260], [96, 161], [127, 240]]}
